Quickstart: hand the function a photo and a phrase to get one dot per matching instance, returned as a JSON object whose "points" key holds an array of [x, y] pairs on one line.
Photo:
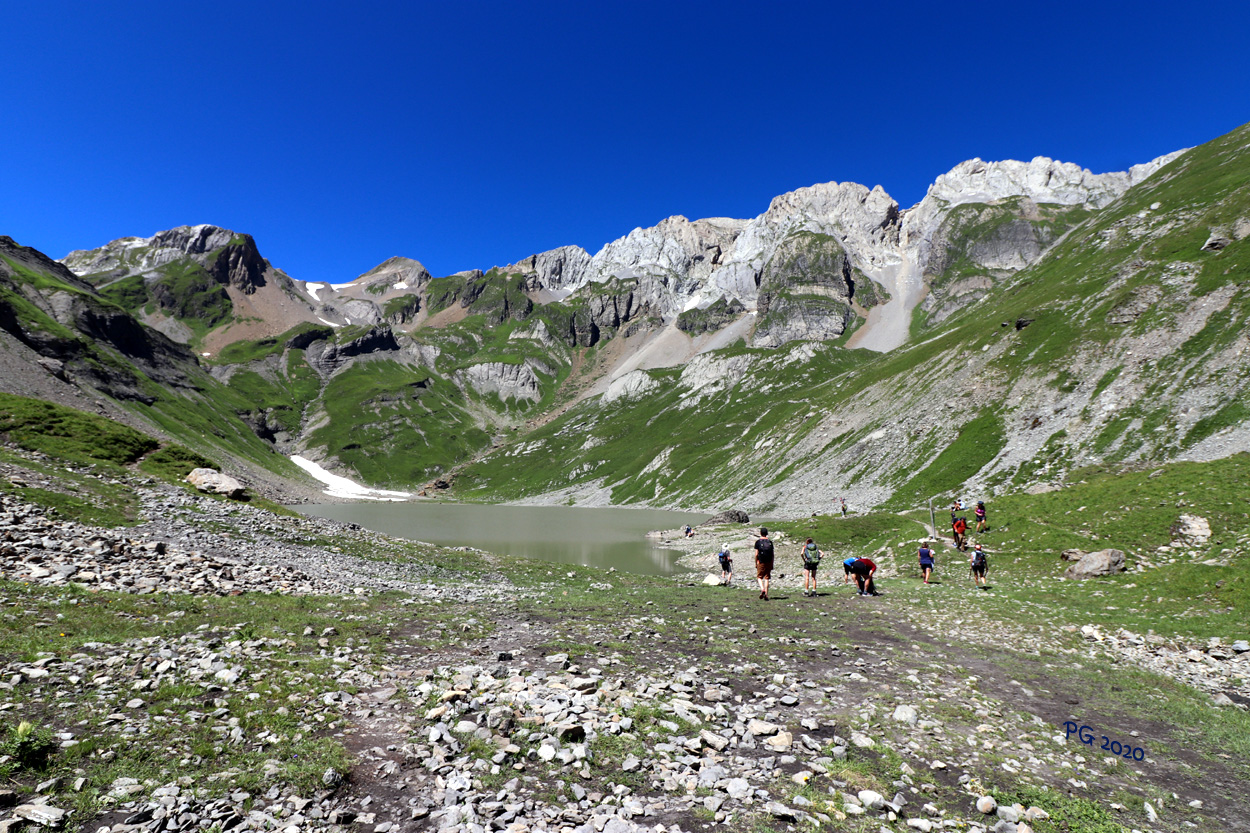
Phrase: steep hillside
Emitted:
{"points": [[1122, 343], [66, 342]]}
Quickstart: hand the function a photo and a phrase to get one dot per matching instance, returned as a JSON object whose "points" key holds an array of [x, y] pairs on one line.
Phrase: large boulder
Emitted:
{"points": [[214, 482], [1101, 563]]}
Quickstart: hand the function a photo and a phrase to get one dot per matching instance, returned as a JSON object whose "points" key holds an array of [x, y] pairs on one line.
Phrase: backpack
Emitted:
{"points": [[765, 548], [811, 554], [979, 559]]}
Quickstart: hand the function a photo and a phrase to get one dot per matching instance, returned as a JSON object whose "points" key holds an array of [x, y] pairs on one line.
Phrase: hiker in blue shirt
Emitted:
{"points": [[726, 565], [846, 566], [926, 561]]}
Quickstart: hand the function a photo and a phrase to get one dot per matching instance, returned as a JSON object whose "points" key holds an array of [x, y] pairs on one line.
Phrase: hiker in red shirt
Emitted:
{"points": [[960, 527], [863, 569]]}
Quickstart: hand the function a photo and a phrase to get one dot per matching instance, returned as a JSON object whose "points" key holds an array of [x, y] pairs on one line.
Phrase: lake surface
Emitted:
{"points": [[599, 538]]}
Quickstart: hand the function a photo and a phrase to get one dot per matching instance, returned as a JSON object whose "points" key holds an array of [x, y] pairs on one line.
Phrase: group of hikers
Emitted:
{"points": [[861, 569]]}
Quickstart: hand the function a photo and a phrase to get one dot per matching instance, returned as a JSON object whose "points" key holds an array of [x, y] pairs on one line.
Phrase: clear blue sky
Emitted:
{"points": [[471, 134]]}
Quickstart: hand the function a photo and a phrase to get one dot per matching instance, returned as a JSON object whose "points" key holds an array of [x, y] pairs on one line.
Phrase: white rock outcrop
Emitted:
{"points": [[509, 381], [632, 384]]}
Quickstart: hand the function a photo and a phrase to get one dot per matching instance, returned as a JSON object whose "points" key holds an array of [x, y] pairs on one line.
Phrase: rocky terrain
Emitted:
{"points": [[295, 673]]}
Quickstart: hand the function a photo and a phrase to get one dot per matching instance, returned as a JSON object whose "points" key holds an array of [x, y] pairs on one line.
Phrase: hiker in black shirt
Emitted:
{"points": [[764, 562]]}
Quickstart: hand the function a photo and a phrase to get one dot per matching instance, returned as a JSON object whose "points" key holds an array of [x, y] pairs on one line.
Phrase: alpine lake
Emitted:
{"points": [[598, 538]]}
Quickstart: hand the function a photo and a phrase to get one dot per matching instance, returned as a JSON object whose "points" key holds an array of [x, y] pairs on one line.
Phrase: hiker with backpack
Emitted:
{"points": [[927, 557], [764, 554], [811, 560], [846, 568], [982, 525], [979, 565], [726, 565], [863, 569], [960, 528]]}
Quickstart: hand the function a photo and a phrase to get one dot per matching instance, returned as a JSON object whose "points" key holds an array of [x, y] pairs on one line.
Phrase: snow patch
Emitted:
{"points": [[401, 285], [313, 288], [342, 487], [328, 323]]}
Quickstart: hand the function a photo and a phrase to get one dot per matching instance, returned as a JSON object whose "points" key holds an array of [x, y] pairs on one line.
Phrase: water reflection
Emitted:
{"points": [[598, 538]]}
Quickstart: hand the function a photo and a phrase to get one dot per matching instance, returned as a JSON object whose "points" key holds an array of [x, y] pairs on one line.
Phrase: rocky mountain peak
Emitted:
{"points": [[403, 272], [232, 258]]}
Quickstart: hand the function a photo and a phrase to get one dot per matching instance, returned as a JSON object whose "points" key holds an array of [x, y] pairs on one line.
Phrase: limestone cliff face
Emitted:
{"points": [[678, 266], [327, 358], [797, 264], [508, 381]]}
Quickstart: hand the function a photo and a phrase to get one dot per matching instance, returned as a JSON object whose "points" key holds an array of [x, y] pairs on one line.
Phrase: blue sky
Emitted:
{"points": [[472, 134]]}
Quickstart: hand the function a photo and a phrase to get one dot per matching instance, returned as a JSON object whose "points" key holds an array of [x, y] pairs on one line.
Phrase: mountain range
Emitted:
{"points": [[1022, 323]]}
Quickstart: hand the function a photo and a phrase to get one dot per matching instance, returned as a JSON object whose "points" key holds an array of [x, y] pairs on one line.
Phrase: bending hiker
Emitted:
{"points": [[846, 566], [726, 565], [764, 562], [982, 526], [689, 531], [979, 564], [811, 560], [960, 528], [863, 569], [926, 561]]}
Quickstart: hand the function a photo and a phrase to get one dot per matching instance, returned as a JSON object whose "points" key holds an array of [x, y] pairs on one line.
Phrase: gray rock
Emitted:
{"points": [[1102, 563], [41, 814], [761, 727], [214, 482], [905, 714]]}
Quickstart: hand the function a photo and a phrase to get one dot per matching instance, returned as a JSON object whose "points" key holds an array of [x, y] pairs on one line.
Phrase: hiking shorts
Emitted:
{"points": [[726, 564], [810, 566], [763, 569], [979, 569]]}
